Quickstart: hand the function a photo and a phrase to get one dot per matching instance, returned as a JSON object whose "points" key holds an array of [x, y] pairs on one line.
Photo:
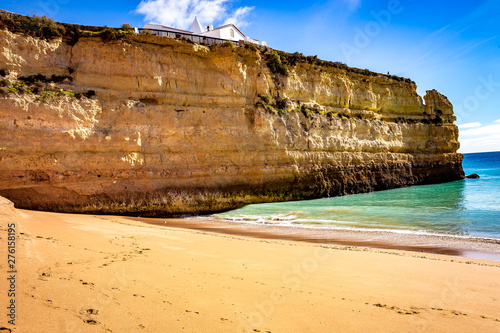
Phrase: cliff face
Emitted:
{"points": [[176, 128], [8, 214]]}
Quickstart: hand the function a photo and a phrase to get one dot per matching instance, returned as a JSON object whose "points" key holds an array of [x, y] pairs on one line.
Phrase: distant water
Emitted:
{"points": [[467, 207]]}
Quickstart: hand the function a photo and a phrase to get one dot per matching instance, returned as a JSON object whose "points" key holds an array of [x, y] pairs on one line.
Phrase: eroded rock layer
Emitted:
{"points": [[178, 129]]}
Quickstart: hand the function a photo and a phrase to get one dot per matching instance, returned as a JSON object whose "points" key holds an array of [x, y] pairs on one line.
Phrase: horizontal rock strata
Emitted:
{"points": [[177, 129]]}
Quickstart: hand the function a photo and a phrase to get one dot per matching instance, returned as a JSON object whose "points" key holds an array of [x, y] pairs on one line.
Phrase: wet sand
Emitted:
{"points": [[84, 273], [476, 248]]}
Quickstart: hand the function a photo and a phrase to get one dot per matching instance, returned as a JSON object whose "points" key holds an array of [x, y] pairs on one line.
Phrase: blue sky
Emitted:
{"points": [[451, 46]]}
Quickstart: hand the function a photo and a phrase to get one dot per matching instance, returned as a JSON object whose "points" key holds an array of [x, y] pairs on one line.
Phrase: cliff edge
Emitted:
{"points": [[155, 126]]}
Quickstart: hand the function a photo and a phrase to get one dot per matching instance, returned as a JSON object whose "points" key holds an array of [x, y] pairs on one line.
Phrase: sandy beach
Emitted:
{"points": [[85, 273]]}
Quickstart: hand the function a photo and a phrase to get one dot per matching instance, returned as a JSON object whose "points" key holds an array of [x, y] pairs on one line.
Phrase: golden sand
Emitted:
{"points": [[79, 273]]}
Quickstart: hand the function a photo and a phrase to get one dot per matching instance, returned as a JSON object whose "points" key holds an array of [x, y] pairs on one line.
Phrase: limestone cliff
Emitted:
{"points": [[177, 128], [8, 214]]}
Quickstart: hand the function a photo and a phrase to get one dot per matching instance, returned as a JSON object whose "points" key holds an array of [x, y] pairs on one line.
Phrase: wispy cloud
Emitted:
{"points": [[469, 125], [180, 14], [482, 130], [238, 17], [468, 48], [480, 138]]}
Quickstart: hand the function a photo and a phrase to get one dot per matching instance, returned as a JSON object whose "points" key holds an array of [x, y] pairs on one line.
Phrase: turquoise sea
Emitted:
{"points": [[468, 207]]}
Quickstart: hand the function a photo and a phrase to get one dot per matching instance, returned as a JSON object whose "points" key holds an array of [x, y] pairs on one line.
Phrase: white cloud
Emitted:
{"points": [[238, 17], [483, 130], [480, 144], [180, 14], [469, 125], [480, 139]]}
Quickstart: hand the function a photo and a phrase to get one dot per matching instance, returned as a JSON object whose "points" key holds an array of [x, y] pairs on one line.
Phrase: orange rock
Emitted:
{"points": [[177, 128]]}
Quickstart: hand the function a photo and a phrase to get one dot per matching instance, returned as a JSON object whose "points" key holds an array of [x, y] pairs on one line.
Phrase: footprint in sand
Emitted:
{"points": [[86, 283], [88, 316], [44, 273]]}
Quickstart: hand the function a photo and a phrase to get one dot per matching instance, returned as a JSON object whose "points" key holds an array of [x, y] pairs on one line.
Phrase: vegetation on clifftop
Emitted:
{"points": [[46, 28], [36, 26], [278, 62], [275, 64]]}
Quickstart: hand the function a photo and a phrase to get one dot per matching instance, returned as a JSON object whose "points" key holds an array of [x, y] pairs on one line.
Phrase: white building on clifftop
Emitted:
{"points": [[225, 32]]}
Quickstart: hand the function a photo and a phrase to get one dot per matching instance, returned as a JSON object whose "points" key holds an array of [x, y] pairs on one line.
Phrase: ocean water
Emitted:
{"points": [[468, 207]]}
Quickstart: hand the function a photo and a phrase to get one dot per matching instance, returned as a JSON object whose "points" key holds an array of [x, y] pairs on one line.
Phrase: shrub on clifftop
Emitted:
{"points": [[108, 35], [127, 28], [275, 65], [34, 26]]}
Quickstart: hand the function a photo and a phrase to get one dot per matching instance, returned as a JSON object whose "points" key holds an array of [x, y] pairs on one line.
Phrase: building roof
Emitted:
{"points": [[162, 27], [230, 25], [196, 27]]}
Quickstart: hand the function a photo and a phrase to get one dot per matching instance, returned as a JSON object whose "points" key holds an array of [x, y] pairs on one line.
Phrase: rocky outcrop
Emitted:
{"points": [[8, 214], [178, 128]]}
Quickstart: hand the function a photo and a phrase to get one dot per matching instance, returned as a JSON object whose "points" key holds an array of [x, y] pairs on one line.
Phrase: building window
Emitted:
{"points": [[232, 33]]}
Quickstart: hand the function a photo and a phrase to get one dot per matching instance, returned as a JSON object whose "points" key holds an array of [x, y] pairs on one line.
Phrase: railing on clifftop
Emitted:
{"points": [[195, 38]]}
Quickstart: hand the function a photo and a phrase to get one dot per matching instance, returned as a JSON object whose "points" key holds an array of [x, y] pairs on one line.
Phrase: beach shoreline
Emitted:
{"points": [[458, 246]]}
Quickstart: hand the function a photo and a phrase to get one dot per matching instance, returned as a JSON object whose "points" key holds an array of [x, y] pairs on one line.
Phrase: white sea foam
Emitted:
{"points": [[328, 226]]}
